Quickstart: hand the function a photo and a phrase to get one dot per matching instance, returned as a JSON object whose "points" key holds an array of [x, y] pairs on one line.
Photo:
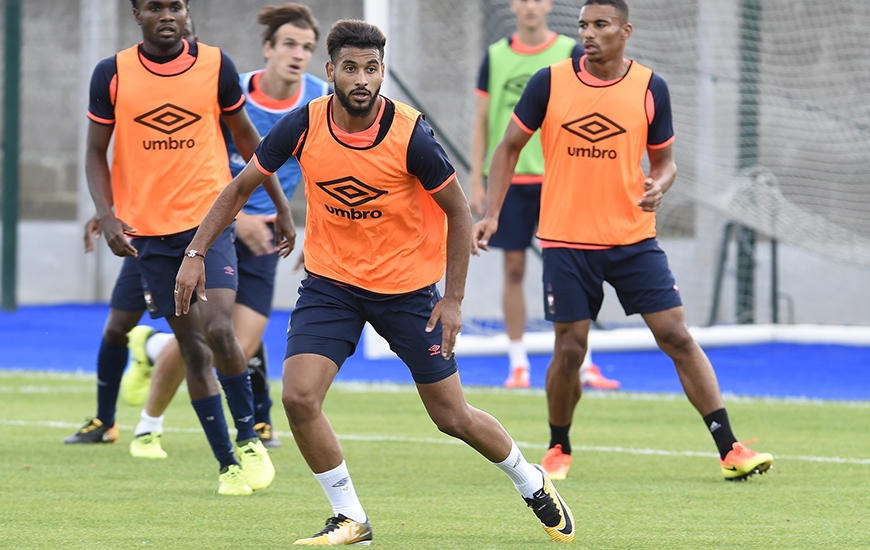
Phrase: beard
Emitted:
{"points": [[353, 108]]}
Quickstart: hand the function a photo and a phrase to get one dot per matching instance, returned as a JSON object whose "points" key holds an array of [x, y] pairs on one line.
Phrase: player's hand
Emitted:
{"points": [[92, 233], [477, 201], [449, 312], [480, 234], [652, 196], [191, 275], [116, 232], [285, 232], [254, 231]]}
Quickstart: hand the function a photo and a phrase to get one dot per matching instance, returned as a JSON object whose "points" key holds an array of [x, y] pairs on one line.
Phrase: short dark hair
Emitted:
{"points": [[136, 3], [353, 33], [620, 5], [273, 17]]}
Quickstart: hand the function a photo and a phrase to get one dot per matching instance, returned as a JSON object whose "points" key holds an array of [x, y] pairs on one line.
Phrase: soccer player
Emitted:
{"points": [[289, 38], [506, 67], [598, 114], [385, 217], [162, 101]]}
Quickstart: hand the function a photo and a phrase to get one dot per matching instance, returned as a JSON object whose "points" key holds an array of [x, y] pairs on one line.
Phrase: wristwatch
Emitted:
{"points": [[194, 253]]}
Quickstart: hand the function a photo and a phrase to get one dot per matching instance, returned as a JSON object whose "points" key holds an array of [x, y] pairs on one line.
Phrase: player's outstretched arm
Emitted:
{"points": [[478, 156], [662, 172], [191, 274], [246, 137], [501, 172], [452, 201], [100, 187]]}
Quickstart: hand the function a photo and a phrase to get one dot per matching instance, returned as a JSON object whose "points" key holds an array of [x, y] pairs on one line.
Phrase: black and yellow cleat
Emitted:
{"points": [[554, 514], [340, 531], [94, 431]]}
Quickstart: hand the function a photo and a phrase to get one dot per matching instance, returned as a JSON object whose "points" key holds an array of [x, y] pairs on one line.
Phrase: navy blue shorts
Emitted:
{"points": [[518, 219], [127, 294], [256, 278], [328, 320], [573, 280], [160, 258]]}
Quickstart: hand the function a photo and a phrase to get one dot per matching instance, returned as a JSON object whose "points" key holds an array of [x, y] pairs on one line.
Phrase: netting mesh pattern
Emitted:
{"points": [[802, 180]]}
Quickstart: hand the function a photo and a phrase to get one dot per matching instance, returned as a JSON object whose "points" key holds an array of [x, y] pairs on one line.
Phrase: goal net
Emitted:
{"points": [[771, 106]]}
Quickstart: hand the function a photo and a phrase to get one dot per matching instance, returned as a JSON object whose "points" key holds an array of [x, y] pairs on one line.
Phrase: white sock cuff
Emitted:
{"points": [[149, 424], [155, 344], [333, 475], [517, 354], [525, 477]]}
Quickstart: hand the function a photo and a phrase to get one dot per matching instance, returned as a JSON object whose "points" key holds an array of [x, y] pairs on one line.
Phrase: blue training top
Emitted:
{"points": [[264, 118]]}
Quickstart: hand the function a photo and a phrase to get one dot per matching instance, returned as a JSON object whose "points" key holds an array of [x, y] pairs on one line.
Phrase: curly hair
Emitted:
{"points": [[354, 33]]}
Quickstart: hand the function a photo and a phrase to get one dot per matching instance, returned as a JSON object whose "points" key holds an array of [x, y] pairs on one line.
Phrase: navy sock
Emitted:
{"points": [[720, 428], [559, 436], [240, 399], [111, 361], [262, 407], [211, 415]]}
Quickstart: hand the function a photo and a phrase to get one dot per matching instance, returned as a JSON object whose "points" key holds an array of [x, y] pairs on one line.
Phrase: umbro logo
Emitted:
{"points": [[517, 84], [594, 128], [341, 482], [168, 118], [350, 191]]}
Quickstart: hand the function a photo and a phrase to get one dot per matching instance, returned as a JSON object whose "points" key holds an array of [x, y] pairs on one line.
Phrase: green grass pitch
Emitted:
{"points": [[645, 475]]}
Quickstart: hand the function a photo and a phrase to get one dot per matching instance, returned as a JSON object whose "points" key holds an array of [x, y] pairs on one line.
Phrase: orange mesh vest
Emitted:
{"points": [[370, 223], [594, 139], [170, 162]]}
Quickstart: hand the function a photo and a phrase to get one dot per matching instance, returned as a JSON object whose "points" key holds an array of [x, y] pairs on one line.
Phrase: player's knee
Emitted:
{"points": [[514, 275], [220, 336], [675, 339], [115, 335], [450, 426], [299, 406], [572, 351]]}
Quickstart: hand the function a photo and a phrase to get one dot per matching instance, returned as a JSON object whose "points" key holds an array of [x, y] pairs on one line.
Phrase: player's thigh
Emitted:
{"points": [[642, 278], [572, 285], [401, 320], [256, 279], [249, 325], [326, 321]]}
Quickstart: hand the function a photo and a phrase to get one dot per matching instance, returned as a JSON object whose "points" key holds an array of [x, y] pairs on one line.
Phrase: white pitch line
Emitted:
{"points": [[451, 441]]}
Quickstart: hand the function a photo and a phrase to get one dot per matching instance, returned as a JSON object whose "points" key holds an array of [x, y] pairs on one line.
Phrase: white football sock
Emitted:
{"points": [[527, 479], [156, 343], [152, 424], [517, 354], [339, 490]]}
